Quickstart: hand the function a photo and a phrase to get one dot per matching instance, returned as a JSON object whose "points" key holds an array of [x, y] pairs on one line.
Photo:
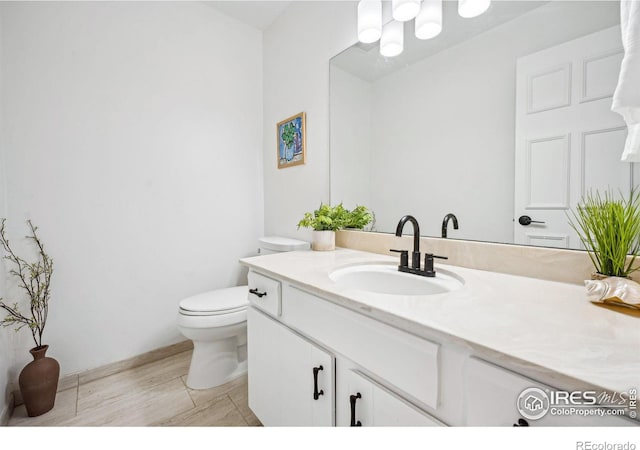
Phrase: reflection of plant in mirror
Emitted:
{"points": [[609, 228], [359, 218], [328, 218]]}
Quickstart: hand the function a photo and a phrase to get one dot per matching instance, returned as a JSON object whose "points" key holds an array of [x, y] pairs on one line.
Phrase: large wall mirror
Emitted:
{"points": [[501, 116]]}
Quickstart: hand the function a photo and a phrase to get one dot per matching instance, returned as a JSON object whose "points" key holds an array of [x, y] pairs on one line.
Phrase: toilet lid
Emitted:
{"points": [[282, 244], [219, 301]]}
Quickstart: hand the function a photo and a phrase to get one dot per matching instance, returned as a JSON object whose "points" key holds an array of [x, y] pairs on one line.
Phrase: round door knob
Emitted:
{"points": [[526, 220]]}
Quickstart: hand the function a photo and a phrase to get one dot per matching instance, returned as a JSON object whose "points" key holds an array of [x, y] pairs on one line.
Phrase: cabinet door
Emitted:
{"points": [[284, 388], [370, 404], [263, 367], [299, 381], [491, 400]]}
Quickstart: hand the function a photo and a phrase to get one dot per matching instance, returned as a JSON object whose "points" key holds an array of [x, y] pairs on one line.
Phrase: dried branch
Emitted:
{"points": [[35, 279]]}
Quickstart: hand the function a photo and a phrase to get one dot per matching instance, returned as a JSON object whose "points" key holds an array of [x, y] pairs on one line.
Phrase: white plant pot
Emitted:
{"points": [[323, 240]]}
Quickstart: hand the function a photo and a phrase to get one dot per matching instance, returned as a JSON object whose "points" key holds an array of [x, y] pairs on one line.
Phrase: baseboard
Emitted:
{"points": [[135, 361], [71, 381]]}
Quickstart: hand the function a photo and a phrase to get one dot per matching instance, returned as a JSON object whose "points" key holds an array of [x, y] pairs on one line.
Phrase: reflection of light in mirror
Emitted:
{"points": [[472, 8], [429, 19], [369, 21], [405, 10], [392, 40]]}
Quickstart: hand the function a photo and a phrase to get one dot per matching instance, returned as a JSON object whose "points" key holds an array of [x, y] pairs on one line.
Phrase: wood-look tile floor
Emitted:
{"points": [[153, 394]]}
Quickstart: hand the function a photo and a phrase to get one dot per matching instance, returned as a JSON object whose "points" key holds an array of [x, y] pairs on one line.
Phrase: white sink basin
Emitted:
{"points": [[386, 279]]}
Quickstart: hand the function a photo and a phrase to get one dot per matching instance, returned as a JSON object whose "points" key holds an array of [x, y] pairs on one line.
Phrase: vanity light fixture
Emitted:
{"points": [[429, 20], [472, 8], [404, 10], [392, 40], [369, 21]]}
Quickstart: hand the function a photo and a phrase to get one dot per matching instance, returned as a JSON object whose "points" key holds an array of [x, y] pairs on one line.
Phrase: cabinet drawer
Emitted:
{"points": [[400, 359], [264, 293], [492, 393]]}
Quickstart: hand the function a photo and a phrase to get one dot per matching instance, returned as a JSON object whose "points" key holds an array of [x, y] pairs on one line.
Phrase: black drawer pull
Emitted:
{"points": [[316, 393], [352, 400], [521, 423], [257, 292]]}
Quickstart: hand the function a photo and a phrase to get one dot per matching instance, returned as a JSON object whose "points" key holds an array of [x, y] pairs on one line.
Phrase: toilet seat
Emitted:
{"points": [[217, 302], [212, 322]]}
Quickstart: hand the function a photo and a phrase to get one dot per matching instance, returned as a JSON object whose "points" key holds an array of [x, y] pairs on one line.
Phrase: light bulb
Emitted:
{"points": [[404, 10], [392, 40], [429, 19], [472, 8], [369, 21]]}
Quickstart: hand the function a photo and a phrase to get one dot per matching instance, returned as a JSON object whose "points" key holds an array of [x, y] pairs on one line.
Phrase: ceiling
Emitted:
{"points": [[258, 14]]}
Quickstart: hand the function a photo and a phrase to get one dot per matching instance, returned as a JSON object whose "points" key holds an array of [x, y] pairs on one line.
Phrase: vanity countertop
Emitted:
{"points": [[544, 325]]}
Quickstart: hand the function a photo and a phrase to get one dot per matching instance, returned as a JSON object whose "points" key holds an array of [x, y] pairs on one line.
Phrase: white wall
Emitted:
{"points": [[350, 104], [297, 49], [6, 354], [132, 134]]}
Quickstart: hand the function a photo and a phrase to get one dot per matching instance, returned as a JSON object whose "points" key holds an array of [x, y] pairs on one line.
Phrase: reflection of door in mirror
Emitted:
{"points": [[567, 139]]}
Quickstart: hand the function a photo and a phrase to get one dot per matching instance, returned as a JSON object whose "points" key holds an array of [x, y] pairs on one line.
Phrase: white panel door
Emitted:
{"points": [[284, 388], [568, 141]]}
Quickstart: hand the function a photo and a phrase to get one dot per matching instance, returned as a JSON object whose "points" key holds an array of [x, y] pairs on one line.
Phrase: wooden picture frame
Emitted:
{"points": [[291, 138]]}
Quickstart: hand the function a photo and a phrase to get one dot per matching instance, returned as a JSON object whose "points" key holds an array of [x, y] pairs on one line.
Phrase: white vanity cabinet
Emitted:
{"points": [[290, 379], [288, 335], [371, 373]]}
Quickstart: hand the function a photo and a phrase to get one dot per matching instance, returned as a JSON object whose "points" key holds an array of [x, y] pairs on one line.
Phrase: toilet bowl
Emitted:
{"points": [[216, 322]]}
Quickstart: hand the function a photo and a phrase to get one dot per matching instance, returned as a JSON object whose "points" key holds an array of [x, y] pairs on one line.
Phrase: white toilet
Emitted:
{"points": [[216, 322]]}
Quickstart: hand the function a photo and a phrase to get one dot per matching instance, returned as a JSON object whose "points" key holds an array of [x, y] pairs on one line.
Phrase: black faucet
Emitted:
{"points": [[415, 256], [445, 222]]}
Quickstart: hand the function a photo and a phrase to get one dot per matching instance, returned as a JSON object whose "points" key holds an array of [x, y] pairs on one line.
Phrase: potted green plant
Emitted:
{"points": [[327, 219], [609, 229], [38, 380]]}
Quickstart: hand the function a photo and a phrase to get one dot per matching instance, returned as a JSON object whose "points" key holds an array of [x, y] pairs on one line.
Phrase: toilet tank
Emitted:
{"points": [[277, 244]]}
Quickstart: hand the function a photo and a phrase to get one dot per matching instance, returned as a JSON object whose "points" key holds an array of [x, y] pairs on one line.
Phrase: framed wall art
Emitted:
{"points": [[291, 141]]}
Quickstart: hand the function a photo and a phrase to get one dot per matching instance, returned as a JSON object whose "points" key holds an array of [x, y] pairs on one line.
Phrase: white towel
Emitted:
{"points": [[626, 98]]}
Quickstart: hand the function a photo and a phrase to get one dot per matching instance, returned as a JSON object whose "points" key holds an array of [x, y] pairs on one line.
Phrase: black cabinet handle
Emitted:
{"points": [[521, 423], [316, 393], [257, 292], [526, 220], [352, 400]]}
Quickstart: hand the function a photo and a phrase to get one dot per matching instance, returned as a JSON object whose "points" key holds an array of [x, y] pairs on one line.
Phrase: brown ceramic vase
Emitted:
{"points": [[39, 382]]}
